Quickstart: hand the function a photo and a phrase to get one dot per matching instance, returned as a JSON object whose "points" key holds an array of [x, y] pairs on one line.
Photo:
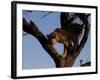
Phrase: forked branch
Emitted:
{"points": [[32, 29]]}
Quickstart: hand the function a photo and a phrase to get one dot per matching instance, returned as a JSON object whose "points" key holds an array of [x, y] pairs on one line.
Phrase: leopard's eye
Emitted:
{"points": [[53, 36]]}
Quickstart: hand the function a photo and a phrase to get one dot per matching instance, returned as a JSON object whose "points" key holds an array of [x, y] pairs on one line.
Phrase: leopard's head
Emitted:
{"points": [[53, 38]]}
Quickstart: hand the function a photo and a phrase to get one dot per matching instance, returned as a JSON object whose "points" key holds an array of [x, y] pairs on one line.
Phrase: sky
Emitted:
{"points": [[33, 54]]}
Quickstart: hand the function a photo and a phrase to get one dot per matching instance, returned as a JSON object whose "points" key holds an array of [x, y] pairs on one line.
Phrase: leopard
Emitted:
{"points": [[66, 36]]}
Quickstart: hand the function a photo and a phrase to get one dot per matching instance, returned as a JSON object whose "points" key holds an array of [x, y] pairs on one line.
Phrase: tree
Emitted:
{"points": [[68, 61]]}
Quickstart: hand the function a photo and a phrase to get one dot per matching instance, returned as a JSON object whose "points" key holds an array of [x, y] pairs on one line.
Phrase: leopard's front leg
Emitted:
{"points": [[65, 49]]}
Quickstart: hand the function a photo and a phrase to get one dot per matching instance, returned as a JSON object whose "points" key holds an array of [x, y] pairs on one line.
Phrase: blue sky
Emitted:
{"points": [[34, 56]]}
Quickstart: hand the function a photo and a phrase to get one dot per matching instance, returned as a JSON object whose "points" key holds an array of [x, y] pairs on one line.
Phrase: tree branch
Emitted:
{"points": [[84, 39], [32, 29]]}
